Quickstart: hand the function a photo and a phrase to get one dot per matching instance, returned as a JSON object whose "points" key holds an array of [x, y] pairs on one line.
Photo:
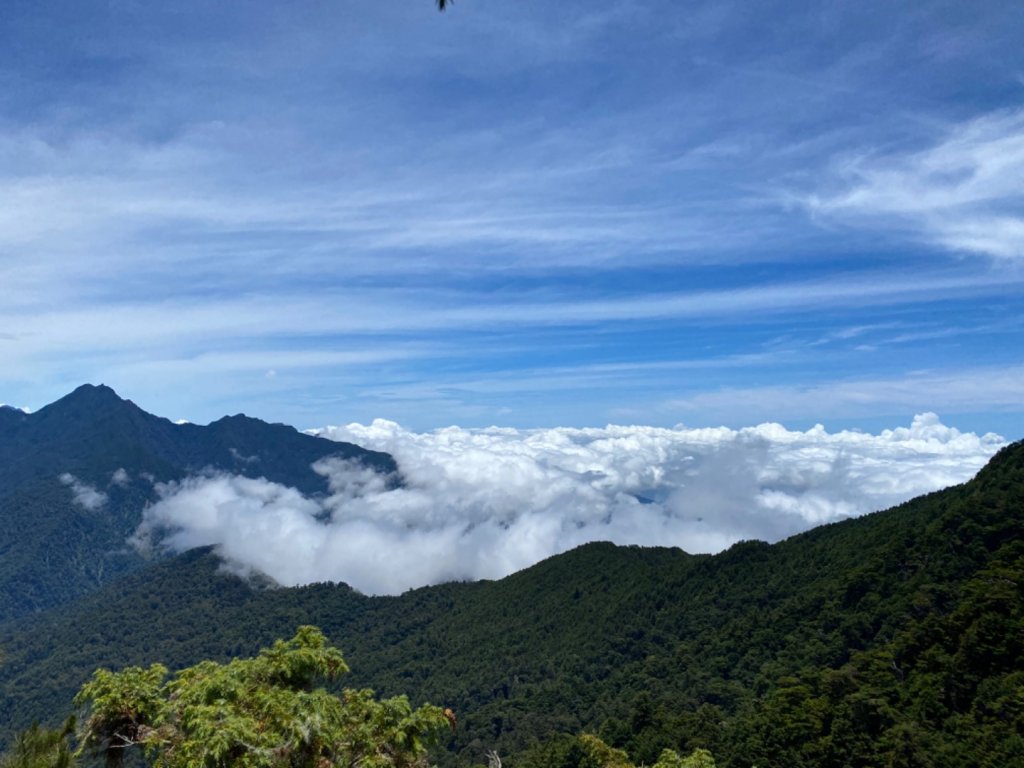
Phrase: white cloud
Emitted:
{"points": [[965, 390], [484, 503], [120, 477], [136, 329], [963, 193], [85, 495], [241, 458]]}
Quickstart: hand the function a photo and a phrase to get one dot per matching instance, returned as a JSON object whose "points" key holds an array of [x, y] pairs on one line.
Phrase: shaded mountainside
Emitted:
{"points": [[896, 639], [54, 549]]}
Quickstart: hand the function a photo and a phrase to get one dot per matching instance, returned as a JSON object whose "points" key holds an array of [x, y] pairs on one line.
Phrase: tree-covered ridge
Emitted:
{"points": [[892, 639]]}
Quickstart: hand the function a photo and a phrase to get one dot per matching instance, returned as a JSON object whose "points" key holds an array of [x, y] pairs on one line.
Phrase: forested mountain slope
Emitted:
{"points": [[896, 639], [75, 476]]}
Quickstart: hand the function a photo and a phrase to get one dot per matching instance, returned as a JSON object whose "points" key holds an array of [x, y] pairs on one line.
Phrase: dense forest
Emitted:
{"points": [[896, 639]]}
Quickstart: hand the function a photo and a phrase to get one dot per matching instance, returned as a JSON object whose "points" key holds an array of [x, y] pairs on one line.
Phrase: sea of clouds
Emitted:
{"points": [[483, 503]]}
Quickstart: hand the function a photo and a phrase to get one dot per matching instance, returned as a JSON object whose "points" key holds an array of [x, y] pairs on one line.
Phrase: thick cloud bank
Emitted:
{"points": [[484, 503]]}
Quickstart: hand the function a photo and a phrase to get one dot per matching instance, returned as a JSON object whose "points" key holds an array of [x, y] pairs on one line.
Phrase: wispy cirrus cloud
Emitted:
{"points": [[964, 192], [386, 198], [992, 389], [370, 311]]}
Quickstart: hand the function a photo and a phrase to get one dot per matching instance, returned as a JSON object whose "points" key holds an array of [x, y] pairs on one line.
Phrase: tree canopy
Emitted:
{"points": [[270, 711], [589, 751]]}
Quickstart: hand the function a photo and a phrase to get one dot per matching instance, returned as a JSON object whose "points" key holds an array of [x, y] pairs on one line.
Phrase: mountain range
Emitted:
{"points": [[76, 475], [895, 639]]}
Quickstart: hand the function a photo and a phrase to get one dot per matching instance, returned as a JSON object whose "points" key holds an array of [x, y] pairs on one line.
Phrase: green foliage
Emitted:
{"points": [[700, 758], [589, 751], [39, 747], [262, 712], [600, 755]]}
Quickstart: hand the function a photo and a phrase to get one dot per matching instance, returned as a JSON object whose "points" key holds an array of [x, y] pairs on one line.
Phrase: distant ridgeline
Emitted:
{"points": [[75, 476], [895, 639]]}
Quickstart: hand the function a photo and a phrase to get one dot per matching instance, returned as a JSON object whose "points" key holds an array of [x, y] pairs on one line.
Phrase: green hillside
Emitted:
{"points": [[896, 639]]}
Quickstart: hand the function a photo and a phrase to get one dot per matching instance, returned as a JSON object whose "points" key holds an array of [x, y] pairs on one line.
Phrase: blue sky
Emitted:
{"points": [[525, 214]]}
